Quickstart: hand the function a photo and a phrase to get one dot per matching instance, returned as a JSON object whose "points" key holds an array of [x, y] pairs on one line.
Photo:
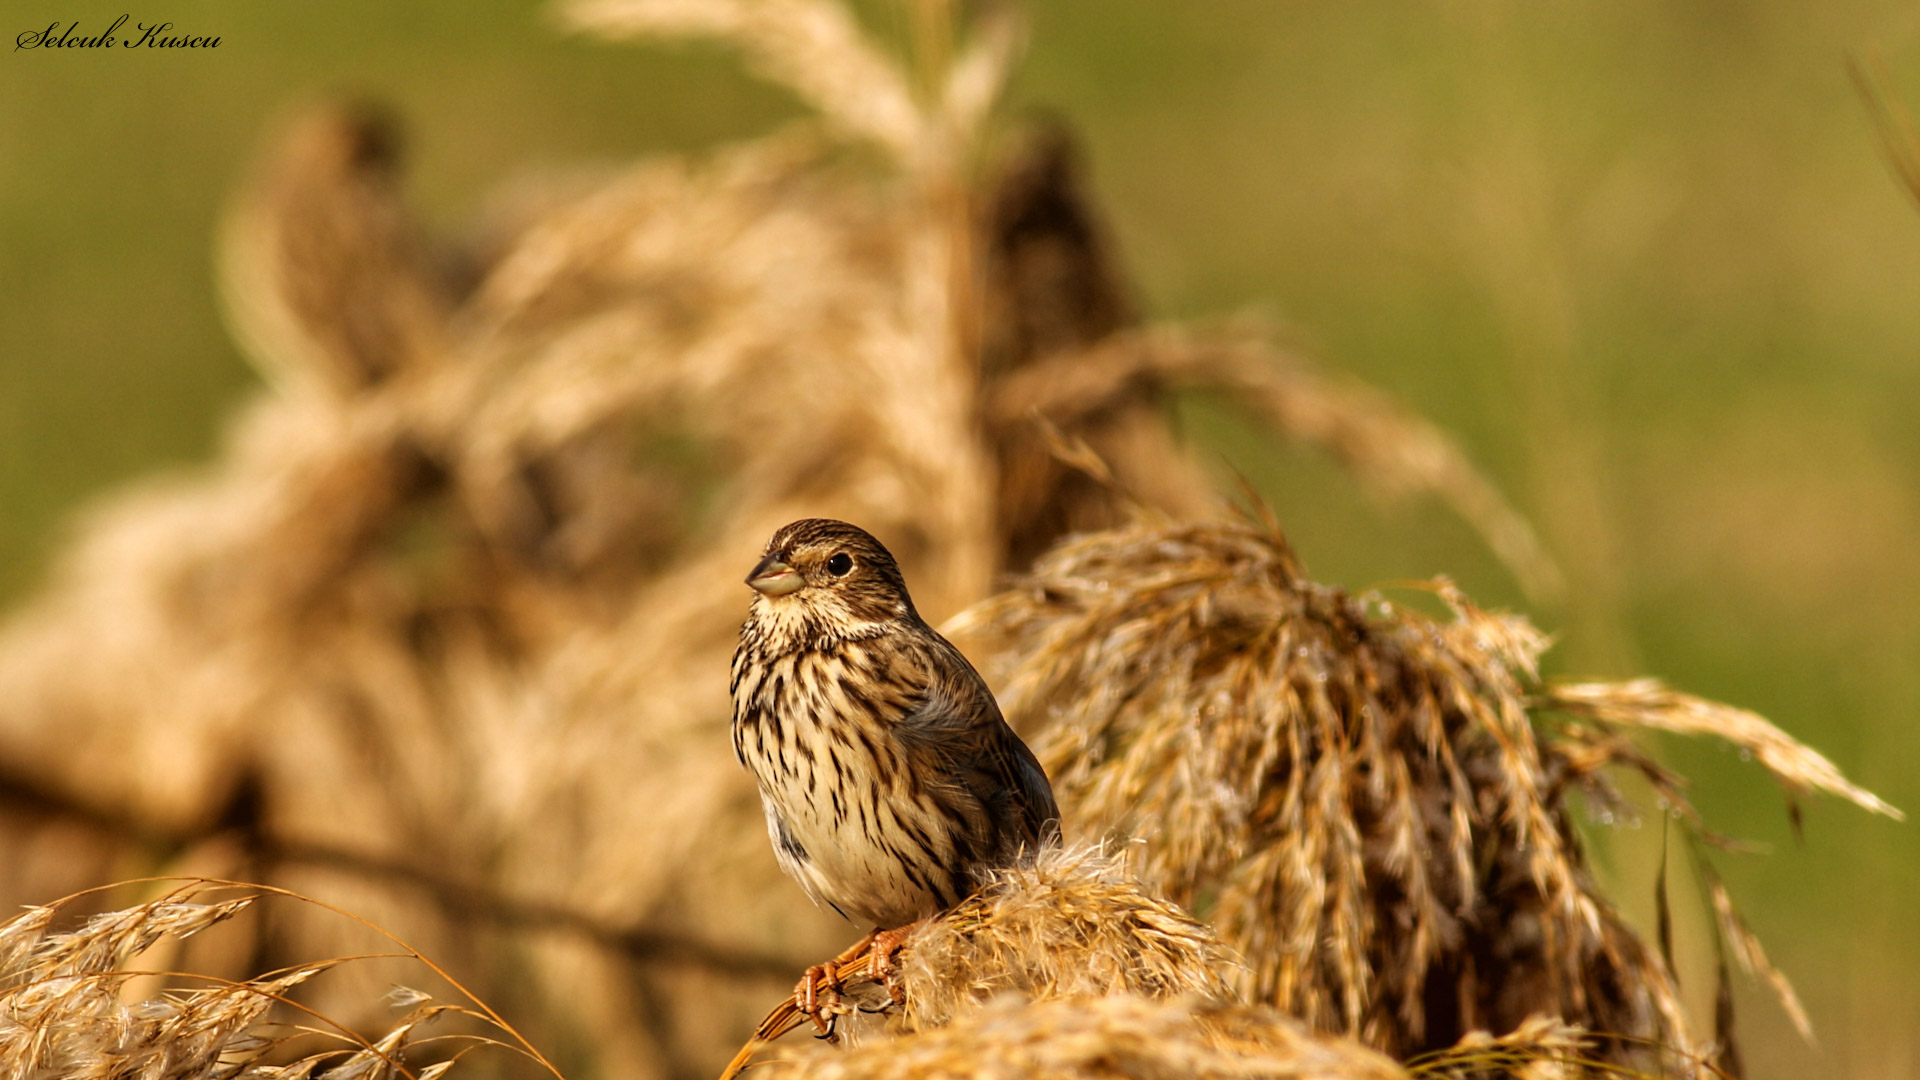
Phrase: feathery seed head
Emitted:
{"points": [[1122, 1037], [1073, 924], [1358, 802]]}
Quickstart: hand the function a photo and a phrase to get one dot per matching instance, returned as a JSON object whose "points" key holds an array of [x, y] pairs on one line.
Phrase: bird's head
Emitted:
{"points": [[831, 576]]}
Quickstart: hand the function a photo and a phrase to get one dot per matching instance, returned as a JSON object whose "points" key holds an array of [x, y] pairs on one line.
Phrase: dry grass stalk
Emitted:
{"points": [[1075, 925], [1069, 968], [816, 49], [449, 618], [1386, 447], [812, 47], [65, 1009], [1101, 1039], [1891, 120], [1053, 970], [1539, 1049], [985, 990], [1745, 946], [1647, 703], [1354, 794]]}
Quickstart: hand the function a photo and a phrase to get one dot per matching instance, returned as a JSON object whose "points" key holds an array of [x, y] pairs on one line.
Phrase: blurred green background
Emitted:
{"points": [[1644, 259]]}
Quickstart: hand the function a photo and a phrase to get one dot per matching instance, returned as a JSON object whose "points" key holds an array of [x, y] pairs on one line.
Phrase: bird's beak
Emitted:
{"points": [[774, 578]]}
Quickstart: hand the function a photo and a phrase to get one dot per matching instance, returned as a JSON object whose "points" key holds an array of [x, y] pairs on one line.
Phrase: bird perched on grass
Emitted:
{"points": [[888, 776]]}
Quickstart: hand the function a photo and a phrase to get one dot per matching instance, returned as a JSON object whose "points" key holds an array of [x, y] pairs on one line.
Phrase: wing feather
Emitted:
{"points": [[988, 776]]}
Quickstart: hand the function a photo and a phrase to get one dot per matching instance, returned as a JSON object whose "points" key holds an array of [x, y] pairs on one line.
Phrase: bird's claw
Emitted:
{"points": [[883, 950], [818, 997]]}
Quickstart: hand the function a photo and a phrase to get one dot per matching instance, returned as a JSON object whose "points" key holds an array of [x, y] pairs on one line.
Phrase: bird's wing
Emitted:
{"points": [[955, 728]]}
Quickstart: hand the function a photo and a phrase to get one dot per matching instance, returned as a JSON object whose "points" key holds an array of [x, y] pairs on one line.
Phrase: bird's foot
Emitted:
{"points": [[819, 998], [820, 995], [883, 954]]}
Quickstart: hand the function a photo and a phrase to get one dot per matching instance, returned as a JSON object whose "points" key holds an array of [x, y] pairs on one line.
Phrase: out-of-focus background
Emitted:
{"points": [[1645, 261]]}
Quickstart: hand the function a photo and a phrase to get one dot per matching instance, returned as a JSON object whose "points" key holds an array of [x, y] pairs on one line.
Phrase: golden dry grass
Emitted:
{"points": [[1106, 1038], [1370, 805], [89, 1003], [1066, 968], [442, 635], [1074, 926]]}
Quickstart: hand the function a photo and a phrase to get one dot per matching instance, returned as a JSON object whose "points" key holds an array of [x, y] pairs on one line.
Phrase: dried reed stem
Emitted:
{"points": [[1369, 804]]}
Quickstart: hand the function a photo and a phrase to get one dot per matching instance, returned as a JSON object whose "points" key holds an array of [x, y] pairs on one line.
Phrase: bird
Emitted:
{"points": [[890, 780]]}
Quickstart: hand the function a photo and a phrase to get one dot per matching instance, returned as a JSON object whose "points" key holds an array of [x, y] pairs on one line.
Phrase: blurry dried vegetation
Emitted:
{"points": [[1891, 120], [1105, 1038], [442, 636], [75, 1005], [1369, 805], [1071, 968], [1075, 927]]}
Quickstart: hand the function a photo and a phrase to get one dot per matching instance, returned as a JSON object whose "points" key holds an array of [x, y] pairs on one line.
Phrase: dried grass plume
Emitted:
{"points": [[1370, 805], [1110, 1038]]}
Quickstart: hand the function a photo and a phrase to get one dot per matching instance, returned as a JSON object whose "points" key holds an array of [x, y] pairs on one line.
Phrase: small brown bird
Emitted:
{"points": [[888, 776]]}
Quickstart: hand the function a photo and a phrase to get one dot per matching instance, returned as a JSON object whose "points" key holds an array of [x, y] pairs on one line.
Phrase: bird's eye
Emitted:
{"points": [[840, 565]]}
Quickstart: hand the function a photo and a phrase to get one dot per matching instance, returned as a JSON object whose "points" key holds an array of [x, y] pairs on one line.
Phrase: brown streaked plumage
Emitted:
{"points": [[888, 776]]}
